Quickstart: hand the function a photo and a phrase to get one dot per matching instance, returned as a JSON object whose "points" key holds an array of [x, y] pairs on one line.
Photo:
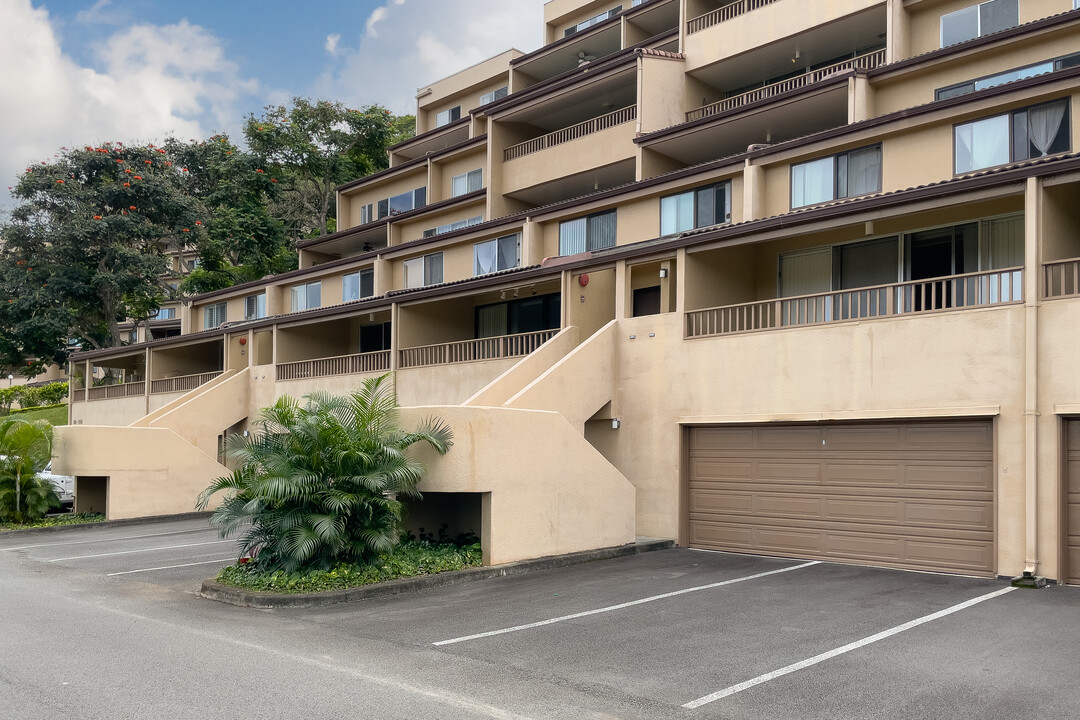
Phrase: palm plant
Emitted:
{"points": [[320, 482], [25, 450]]}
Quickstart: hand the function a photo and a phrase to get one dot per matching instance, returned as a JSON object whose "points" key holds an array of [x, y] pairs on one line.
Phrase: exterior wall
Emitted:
{"points": [[372, 193], [925, 24], [443, 172], [447, 384], [463, 88], [116, 412], [663, 93], [409, 230], [586, 153]]}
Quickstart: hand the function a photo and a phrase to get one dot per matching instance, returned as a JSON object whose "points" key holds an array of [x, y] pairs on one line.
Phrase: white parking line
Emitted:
{"points": [[726, 692], [620, 606], [100, 540], [170, 567], [140, 550]]}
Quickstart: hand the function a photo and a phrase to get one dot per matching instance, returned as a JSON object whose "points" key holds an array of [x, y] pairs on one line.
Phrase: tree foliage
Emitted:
{"points": [[316, 146], [319, 483], [25, 450]]}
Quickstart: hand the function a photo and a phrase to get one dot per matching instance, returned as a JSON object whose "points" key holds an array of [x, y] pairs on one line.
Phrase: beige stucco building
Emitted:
{"points": [[770, 276]]}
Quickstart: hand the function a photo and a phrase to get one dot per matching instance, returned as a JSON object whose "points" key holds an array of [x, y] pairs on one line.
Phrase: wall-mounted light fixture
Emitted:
{"points": [[663, 273], [615, 423]]}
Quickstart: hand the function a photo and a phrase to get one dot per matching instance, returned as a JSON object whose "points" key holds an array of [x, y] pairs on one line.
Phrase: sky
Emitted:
{"points": [[82, 72]]}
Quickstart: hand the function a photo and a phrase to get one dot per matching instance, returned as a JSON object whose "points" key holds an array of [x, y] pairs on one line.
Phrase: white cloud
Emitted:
{"points": [[99, 13], [150, 81], [331, 44], [424, 41]]}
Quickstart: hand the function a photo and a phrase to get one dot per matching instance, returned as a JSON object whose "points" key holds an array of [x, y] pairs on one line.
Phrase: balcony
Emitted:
{"points": [[558, 137], [727, 12], [491, 348], [866, 61], [1061, 279], [370, 362], [956, 292], [120, 390], [182, 383]]}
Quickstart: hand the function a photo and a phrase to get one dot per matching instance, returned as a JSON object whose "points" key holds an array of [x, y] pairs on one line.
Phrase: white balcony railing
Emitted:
{"points": [[122, 390], [492, 348], [956, 292], [1061, 278], [739, 7], [182, 383], [861, 62], [344, 365], [573, 132]]}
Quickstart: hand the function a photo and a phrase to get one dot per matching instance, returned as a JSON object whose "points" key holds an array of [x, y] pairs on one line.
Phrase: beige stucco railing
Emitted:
{"points": [[573, 132], [344, 365], [862, 62], [108, 392], [492, 348], [725, 13], [183, 383], [956, 292], [1061, 278]]}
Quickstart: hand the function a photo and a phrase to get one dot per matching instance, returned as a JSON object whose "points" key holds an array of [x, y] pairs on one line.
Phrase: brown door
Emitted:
{"points": [[1072, 506], [917, 495]]}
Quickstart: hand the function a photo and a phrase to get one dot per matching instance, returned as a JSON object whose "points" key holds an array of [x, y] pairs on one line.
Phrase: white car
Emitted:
{"points": [[64, 485]]}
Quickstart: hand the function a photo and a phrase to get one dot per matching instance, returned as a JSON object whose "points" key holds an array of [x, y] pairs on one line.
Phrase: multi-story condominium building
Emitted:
{"points": [[764, 276]]}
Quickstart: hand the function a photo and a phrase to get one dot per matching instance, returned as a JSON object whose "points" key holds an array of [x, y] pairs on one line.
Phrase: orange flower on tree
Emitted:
{"points": [[131, 208]]}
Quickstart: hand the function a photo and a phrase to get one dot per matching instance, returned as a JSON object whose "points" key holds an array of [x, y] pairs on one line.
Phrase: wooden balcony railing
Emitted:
{"points": [[573, 132], [739, 7], [77, 394], [492, 348], [123, 390], [862, 62], [956, 292], [343, 365], [182, 383], [1061, 279]]}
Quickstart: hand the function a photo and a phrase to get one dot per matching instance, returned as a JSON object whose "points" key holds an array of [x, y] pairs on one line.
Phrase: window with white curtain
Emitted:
{"points": [[586, 234], [358, 285], [467, 182], [305, 297], [696, 208], [255, 306], [423, 271], [494, 95], [1020, 135], [214, 315], [978, 20], [448, 116], [497, 254], [849, 174]]}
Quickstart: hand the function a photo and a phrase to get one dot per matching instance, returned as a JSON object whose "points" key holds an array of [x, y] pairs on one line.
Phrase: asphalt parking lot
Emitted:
{"points": [[669, 634]]}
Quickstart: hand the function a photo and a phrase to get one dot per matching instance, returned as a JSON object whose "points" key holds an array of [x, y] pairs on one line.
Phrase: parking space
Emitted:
{"points": [[176, 554]]}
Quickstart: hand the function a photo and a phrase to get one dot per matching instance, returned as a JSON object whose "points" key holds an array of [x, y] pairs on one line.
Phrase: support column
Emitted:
{"points": [[753, 192], [395, 335], [622, 290], [860, 99], [897, 32]]}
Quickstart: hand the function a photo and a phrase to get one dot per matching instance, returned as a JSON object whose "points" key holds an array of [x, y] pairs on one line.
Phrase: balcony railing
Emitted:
{"points": [[77, 394], [861, 62], [1061, 278], [182, 383], [343, 365], [492, 348], [573, 132], [739, 7], [123, 390], [956, 292]]}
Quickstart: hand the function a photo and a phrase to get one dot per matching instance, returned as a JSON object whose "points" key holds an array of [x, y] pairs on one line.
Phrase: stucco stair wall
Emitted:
{"points": [[202, 415], [148, 419], [514, 380]]}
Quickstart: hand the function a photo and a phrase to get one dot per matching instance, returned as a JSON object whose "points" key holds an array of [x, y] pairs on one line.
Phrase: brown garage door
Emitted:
{"points": [[1072, 525], [915, 495]]}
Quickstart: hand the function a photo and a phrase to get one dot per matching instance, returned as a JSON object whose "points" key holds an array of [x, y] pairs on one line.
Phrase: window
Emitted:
{"points": [[193, 263], [1020, 135], [214, 315], [494, 95], [423, 271], [460, 224], [402, 203], [496, 254], [467, 182], [990, 81], [694, 209], [592, 21], [448, 116], [164, 314], [856, 172], [367, 214], [358, 285], [979, 20], [374, 338], [255, 306], [531, 314], [594, 232], [305, 297]]}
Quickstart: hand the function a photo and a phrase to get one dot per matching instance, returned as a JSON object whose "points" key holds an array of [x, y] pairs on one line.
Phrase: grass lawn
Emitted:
{"points": [[55, 415]]}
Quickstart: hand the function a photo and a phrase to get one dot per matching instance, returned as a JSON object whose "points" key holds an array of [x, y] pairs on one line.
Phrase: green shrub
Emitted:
{"points": [[28, 396], [408, 559], [53, 521], [53, 393]]}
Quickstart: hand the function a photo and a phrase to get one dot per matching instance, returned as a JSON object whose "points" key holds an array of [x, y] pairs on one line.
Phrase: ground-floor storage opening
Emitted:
{"points": [[446, 517], [913, 494], [1072, 503], [91, 494]]}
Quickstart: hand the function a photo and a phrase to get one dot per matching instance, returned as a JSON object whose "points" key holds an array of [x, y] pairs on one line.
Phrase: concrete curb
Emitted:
{"points": [[246, 598], [149, 520]]}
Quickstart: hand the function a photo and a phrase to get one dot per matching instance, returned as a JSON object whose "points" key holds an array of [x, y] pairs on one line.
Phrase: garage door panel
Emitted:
{"points": [[1074, 472], [1073, 515], [721, 438], [1074, 562], [918, 494]]}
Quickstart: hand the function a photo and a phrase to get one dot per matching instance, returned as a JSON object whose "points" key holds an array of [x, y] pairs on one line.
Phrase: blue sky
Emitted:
{"points": [[82, 72]]}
